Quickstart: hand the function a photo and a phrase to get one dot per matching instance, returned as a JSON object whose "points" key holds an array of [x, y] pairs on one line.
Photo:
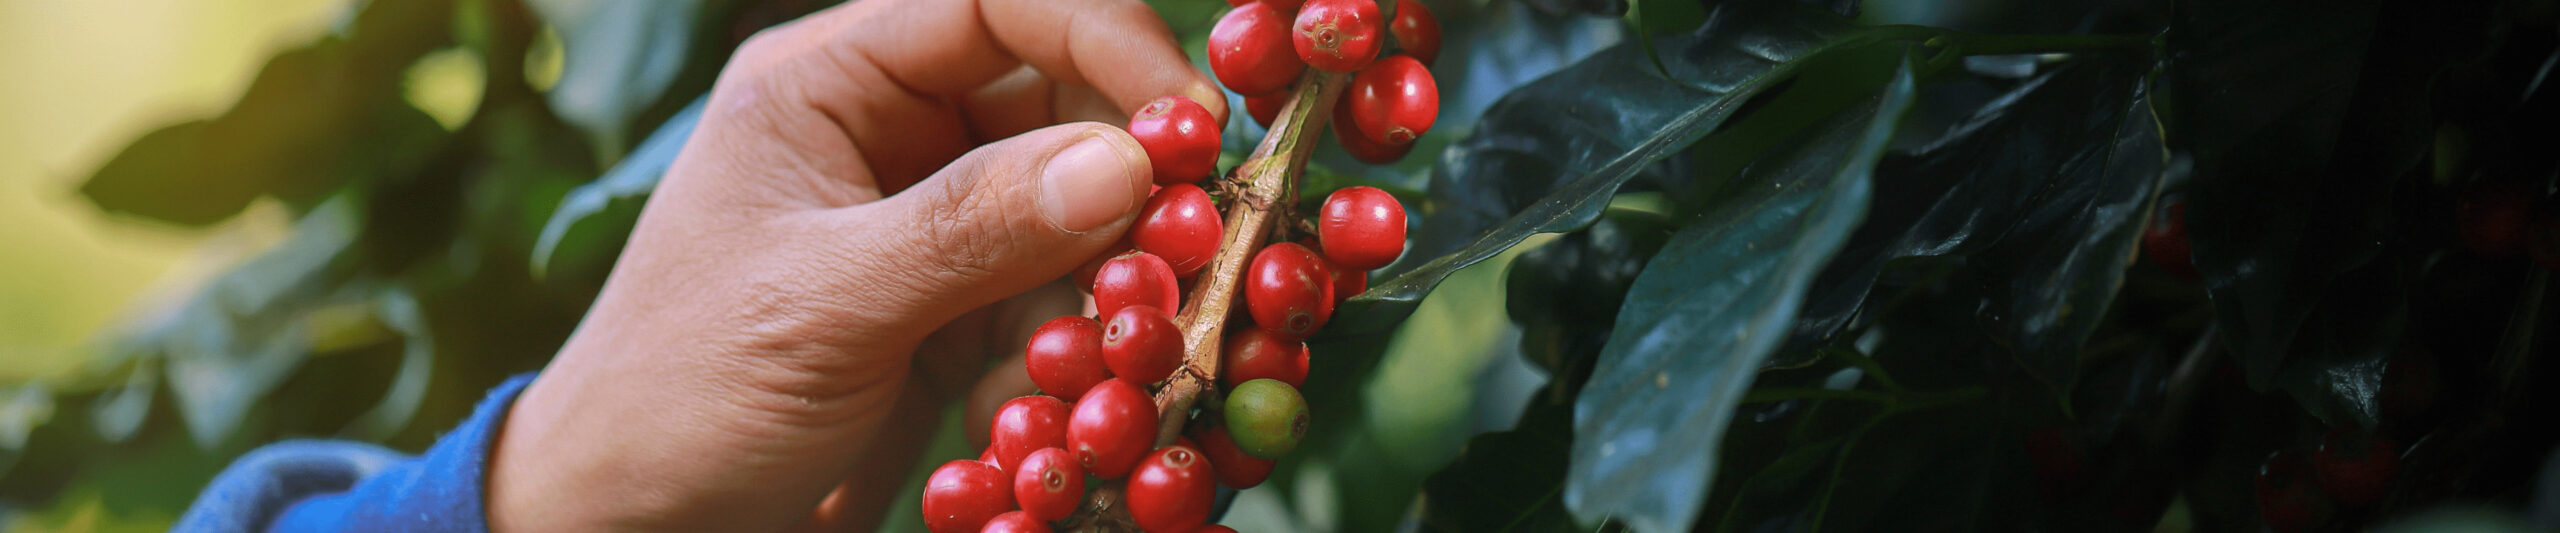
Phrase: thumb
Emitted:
{"points": [[996, 222]]}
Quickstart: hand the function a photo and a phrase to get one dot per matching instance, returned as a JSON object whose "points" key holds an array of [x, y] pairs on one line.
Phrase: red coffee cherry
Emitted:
{"points": [[1266, 108], [1172, 490], [2165, 240], [2355, 470], [1026, 424], [1288, 290], [1362, 228], [2288, 499], [1180, 138], [1065, 357], [1236, 469], [1181, 225], [1255, 353], [1249, 50], [1394, 100], [1348, 283], [1085, 272], [1416, 31], [1285, 6], [1346, 131], [1337, 35], [963, 494], [1049, 484], [1015, 522], [1135, 278], [2492, 217], [1141, 344], [1111, 428]]}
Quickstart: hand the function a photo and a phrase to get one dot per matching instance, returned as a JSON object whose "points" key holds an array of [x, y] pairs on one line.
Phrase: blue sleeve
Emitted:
{"points": [[347, 486]]}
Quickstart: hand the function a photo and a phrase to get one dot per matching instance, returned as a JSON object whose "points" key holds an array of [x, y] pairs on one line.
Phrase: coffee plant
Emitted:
{"points": [[1496, 265]]}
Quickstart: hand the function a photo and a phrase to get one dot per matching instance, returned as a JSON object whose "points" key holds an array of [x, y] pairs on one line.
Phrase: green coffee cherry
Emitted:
{"points": [[1266, 417]]}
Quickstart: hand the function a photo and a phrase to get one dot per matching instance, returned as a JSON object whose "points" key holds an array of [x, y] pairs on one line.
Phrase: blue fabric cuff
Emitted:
{"points": [[346, 486]]}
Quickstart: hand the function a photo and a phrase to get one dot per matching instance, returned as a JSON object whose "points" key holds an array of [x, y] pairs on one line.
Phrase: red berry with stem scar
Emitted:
{"points": [[1024, 425], [1337, 35], [1049, 484], [1172, 490], [1394, 101], [1141, 344], [1288, 290]]}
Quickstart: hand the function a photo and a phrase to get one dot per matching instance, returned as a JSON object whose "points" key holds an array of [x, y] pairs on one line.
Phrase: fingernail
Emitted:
{"points": [[1085, 186]]}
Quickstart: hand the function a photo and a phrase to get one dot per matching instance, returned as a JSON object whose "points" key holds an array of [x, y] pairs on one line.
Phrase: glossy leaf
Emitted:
{"points": [[592, 221], [621, 58], [1548, 157], [2052, 179], [227, 346], [1706, 311], [2293, 191]]}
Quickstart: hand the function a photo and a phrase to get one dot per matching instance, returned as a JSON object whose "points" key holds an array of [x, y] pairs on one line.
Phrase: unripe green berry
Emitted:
{"points": [[1266, 417]]}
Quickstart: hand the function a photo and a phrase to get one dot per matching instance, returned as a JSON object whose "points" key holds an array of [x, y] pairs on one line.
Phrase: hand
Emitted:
{"points": [[760, 358]]}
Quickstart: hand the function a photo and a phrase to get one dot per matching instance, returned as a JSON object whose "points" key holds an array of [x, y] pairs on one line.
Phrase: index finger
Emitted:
{"points": [[1121, 48]]}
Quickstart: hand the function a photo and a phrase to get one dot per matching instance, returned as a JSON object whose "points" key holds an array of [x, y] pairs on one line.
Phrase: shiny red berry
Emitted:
{"points": [[1136, 278], [1347, 132], [1181, 225], [1049, 484], [2165, 240], [1111, 428], [1266, 108], [1026, 424], [1065, 357], [2288, 498], [1180, 137], [1337, 35], [1288, 290], [1236, 469], [962, 495], [1015, 522], [1394, 100], [2492, 217], [1172, 490], [1249, 50], [2355, 470], [1256, 353], [1141, 344], [1416, 31], [1362, 228], [1348, 283]]}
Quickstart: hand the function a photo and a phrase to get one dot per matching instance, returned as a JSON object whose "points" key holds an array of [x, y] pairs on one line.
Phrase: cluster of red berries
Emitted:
{"points": [[1097, 421], [1259, 48]]}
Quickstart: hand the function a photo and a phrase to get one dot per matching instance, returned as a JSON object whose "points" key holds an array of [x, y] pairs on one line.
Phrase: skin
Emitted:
{"points": [[868, 218]]}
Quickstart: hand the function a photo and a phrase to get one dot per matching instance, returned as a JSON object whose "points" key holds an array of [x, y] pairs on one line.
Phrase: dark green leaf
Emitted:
{"points": [[227, 346], [587, 230], [2304, 121], [621, 58], [1548, 157], [2051, 178], [1706, 311], [1506, 481], [315, 118]]}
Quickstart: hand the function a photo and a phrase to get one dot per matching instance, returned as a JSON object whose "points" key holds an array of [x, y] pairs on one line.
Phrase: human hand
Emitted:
{"points": [[812, 282]]}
